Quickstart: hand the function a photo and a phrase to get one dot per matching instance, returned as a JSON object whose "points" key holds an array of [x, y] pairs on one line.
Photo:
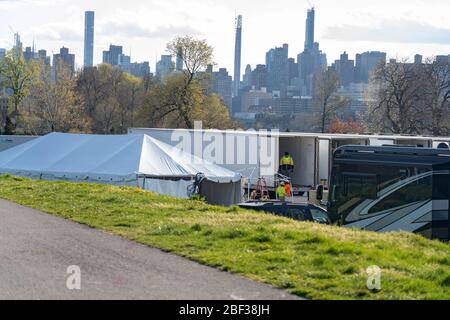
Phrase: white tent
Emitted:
{"points": [[130, 160]]}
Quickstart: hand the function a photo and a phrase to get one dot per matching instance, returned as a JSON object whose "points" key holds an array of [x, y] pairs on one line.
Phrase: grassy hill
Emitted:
{"points": [[309, 260]]}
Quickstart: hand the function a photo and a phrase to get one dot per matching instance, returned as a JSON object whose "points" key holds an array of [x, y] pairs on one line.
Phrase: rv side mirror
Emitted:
{"points": [[319, 195]]}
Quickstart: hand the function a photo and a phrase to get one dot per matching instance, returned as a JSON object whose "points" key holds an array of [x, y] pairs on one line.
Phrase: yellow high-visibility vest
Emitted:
{"points": [[287, 161], [281, 192]]}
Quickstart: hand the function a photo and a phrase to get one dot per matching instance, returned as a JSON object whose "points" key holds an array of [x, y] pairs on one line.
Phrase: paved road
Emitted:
{"points": [[36, 249]]}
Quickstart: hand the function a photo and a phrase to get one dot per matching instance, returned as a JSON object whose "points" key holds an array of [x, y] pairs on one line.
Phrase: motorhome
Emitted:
{"points": [[391, 188]]}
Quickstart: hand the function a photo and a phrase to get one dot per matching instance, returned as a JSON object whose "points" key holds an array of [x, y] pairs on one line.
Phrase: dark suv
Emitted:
{"points": [[300, 212]]}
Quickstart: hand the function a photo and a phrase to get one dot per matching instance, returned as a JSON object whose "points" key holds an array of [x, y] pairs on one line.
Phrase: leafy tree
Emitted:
{"points": [[107, 111], [213, 113], [206, 108], [196, 55], [160, 106], [111, 97], [52, 104], [130, 96], [17, 75]]}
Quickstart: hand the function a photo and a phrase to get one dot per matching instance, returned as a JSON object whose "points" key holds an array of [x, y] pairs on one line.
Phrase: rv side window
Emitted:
{"points": [[360, 185], [414, 192]]}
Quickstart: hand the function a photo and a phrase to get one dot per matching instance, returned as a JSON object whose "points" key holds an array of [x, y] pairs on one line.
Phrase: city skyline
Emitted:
{"points": [[146, 38]]}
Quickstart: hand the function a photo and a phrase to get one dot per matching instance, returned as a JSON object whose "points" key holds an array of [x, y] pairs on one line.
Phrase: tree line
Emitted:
{"points": [[401, 98], [106, 100], [409, 98]]}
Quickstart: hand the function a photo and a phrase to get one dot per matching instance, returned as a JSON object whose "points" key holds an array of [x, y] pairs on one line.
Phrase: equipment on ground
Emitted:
{"points": [[262, 191], [194, 189]]}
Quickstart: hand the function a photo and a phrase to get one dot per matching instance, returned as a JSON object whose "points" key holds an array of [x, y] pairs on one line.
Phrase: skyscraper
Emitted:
{"points": [[164, 67], [366, 62], [89, 17], [247, 82], [293, 70], [138, 69], [63, 58], [124, 60], [28, 54], [345, 68], [112, 56], [237, 57], [260, 77], [418, 59], [42, 56], [311, 60], [309, 39], [17, 44], [277, 62], [221, 85]]}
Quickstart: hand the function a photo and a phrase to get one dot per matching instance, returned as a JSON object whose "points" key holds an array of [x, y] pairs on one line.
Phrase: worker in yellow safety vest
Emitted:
{"points": [[287, 164], [281, 192], [287, 160]]}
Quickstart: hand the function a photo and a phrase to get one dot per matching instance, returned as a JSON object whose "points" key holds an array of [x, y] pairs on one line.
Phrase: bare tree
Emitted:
{"points": [[328, 103], [395, 99], [436, 84], [91, 89]]}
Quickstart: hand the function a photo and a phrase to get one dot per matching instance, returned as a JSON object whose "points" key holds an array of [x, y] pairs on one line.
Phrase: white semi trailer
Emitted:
{"points": [[257, 154]]}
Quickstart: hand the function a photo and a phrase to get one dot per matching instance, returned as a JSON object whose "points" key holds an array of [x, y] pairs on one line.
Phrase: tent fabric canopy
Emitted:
{"points": [[107, 158]]}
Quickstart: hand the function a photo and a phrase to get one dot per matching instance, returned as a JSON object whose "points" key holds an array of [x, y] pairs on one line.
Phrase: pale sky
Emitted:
{"points": [[402, 28]]}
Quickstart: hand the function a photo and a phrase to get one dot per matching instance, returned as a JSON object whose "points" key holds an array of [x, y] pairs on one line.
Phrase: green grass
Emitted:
{"points": [[309, 260]]}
